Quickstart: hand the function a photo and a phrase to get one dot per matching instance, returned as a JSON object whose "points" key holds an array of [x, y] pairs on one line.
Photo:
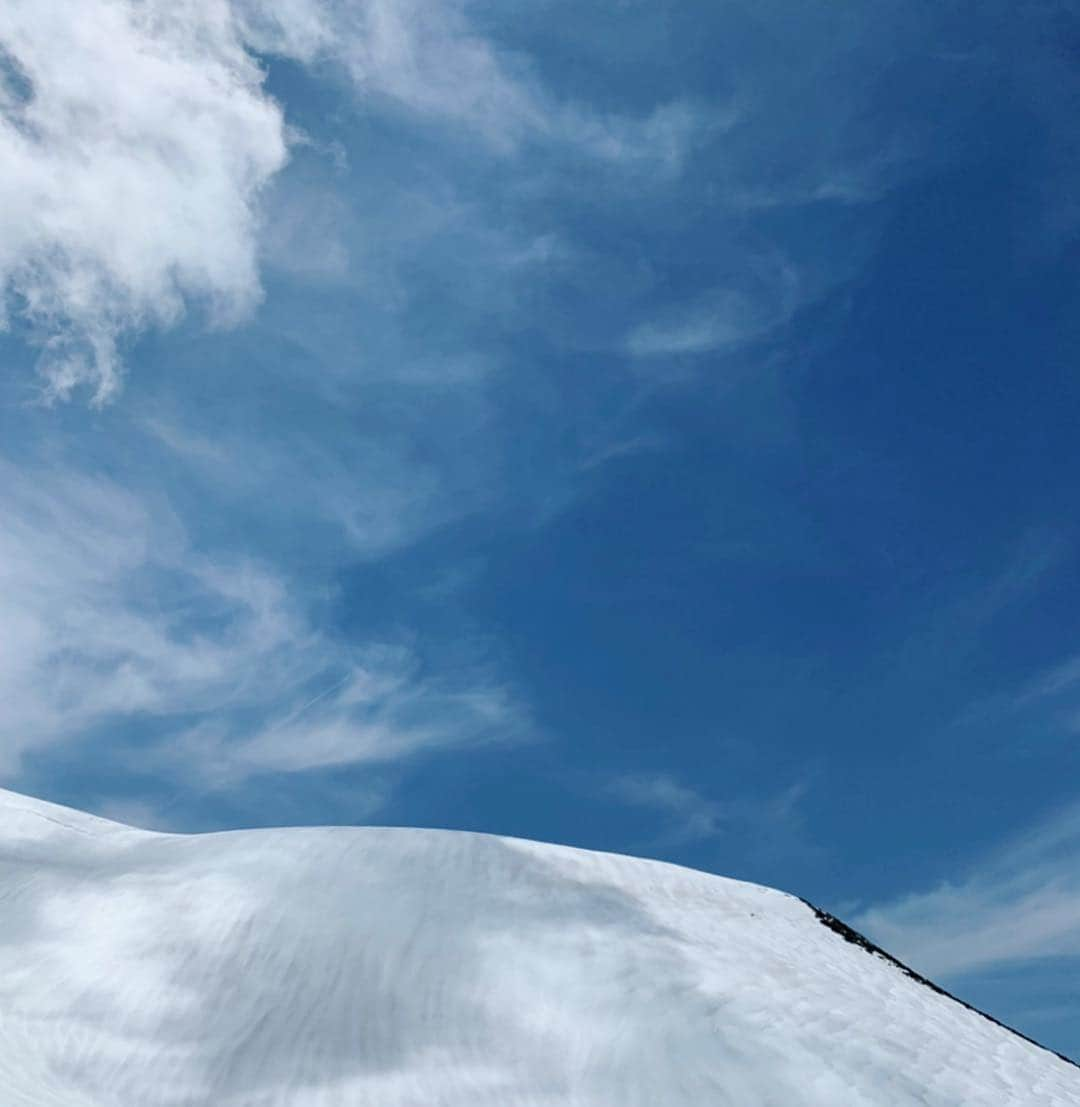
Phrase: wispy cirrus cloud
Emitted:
{"points": [[108, 615], [1053, 694], [428, 57], [692, 816], [724, 318], [1020, 903], [689, 816], [384, 709]]}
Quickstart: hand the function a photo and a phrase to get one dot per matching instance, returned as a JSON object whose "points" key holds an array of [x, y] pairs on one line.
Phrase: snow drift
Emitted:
{"points": [[414, 968]]}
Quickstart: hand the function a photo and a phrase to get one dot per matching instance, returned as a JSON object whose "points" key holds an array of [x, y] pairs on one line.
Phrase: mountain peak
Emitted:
{"points": [[338, 967]]}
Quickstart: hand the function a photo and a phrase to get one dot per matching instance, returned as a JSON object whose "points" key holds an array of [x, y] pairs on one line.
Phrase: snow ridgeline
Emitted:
{"points": [[415, 968]]}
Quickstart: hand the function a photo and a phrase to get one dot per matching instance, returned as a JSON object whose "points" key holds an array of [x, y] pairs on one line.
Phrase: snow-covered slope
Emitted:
{"points": [[414, 968]]}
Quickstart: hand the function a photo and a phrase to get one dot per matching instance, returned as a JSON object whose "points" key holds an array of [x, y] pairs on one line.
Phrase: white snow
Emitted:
{"points": [[416, 968]]}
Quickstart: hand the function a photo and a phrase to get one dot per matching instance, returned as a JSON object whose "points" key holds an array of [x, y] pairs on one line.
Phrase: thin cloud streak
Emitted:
{"points": [[1021, 903], [688, 816]]}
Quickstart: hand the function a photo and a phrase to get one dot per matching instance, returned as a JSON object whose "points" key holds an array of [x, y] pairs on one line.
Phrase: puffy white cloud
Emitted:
{"points": [[135, 138]]}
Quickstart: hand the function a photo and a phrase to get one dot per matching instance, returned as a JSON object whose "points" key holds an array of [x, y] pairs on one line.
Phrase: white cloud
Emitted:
{"points": [[691, 816], [426, 57], [1057, 687], [340, 496], [136, 138], [108, 615], [1020, 904], [133, 157], [383, 710], [720, 320]]}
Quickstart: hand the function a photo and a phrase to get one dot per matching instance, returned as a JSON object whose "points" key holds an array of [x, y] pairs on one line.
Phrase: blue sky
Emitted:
{"points": [[645, 426]]}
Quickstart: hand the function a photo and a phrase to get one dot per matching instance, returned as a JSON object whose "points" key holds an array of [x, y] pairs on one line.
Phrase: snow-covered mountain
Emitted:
{"points": [[416, 968]]}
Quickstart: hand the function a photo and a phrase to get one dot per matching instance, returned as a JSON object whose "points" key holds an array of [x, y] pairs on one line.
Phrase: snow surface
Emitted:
{"points": [[416, 968]]}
